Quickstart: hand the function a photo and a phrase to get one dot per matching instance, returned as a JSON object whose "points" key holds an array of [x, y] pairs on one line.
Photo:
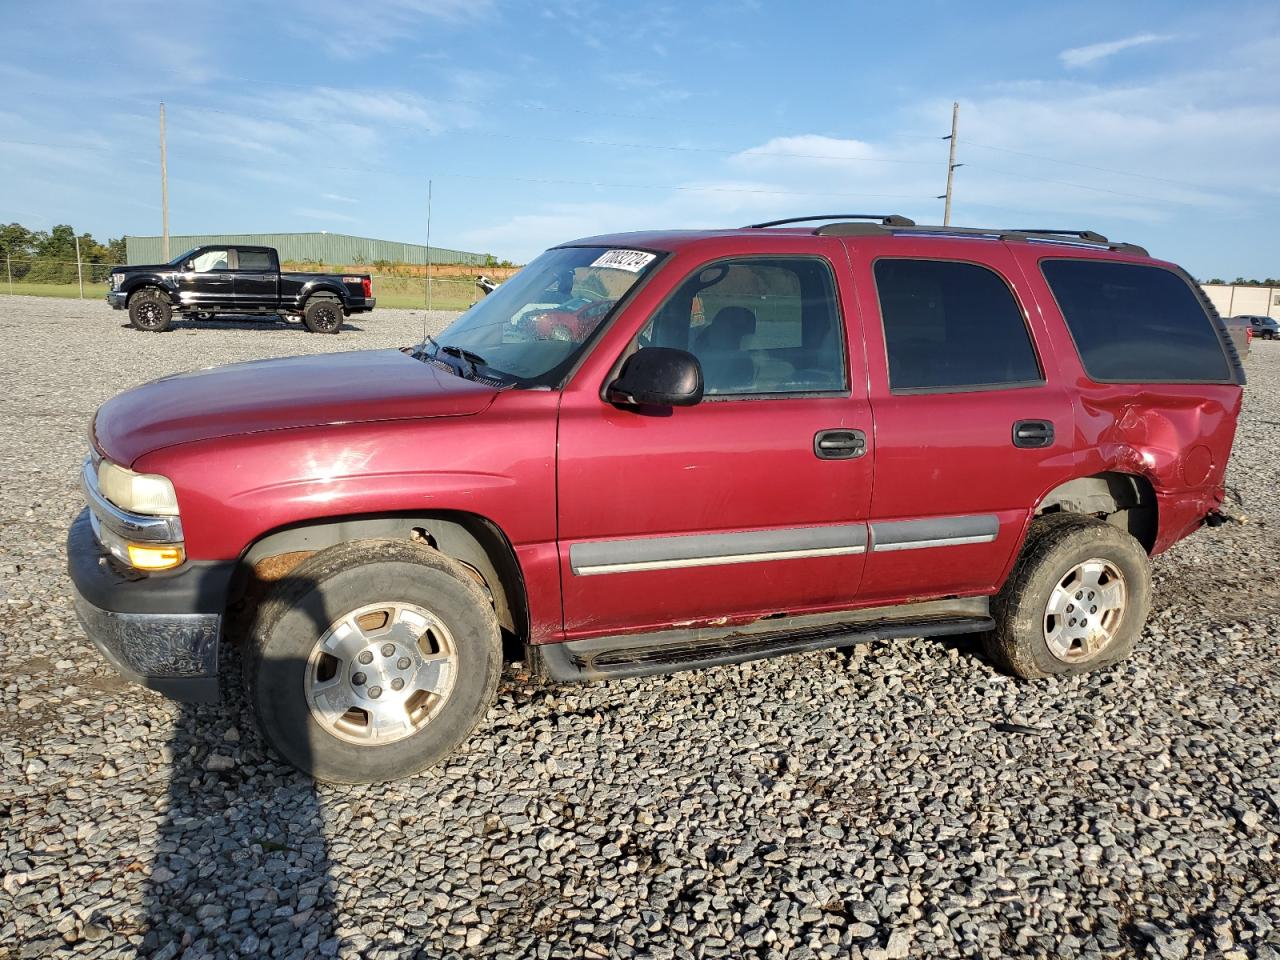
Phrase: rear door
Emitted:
{"points": [[206, 280], [973, 423], [735, 507], [256, 277]]}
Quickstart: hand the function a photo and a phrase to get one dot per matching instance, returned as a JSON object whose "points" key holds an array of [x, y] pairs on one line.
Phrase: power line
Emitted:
{"points": [[329, 122], [1090, 166], [365, 168]]}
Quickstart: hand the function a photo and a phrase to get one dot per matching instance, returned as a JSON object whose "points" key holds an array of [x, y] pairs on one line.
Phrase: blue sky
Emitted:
{"points": [[540, 122]]}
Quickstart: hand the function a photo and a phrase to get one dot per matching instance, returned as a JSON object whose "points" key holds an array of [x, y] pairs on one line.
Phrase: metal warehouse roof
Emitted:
{"points": [[320, 247]]}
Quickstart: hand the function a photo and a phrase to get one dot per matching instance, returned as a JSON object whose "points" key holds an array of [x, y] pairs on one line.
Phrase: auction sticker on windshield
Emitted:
{"points": [[632, 261]]}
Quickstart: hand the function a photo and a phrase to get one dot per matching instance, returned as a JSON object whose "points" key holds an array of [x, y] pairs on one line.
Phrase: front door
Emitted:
{"points": [[750, 503], [206, 279]]}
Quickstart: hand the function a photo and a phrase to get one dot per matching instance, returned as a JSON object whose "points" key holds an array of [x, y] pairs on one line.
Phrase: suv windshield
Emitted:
{"points": [[533, 327]]}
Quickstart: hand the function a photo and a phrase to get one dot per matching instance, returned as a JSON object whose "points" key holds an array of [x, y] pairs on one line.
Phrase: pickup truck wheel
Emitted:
{"points": [[150, 310], [323, 315], [1076, 601], [371, 661]]}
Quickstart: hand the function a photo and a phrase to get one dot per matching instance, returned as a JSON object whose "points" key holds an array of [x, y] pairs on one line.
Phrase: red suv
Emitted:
{"points": [[780, 438]]}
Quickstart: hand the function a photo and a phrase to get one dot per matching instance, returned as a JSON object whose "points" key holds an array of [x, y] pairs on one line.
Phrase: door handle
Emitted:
{"points": [[839, 444], [1033, 433]]}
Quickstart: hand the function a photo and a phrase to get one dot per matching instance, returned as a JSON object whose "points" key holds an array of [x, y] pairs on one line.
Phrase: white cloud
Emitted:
{"points": [[1196, 146], [1085, 56], [311, 213]]}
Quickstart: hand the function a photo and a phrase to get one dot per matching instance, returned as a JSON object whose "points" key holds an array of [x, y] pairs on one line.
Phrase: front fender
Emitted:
{"points": [[132, 285]]}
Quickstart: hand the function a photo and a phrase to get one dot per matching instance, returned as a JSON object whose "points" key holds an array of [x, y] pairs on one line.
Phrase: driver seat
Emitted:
{"points": [[726, 366]]}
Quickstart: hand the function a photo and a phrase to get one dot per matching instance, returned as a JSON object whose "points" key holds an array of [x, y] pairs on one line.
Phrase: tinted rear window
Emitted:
{"points": [[951, 326], [1136, 324]]}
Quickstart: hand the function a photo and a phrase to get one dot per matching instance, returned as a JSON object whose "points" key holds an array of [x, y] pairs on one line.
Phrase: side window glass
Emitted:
{"points": [[950, 325], [254, 259], [211, 260], [1135, 323], [763, 326]]}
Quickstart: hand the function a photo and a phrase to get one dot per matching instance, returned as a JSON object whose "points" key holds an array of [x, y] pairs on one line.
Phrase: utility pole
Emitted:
{"points": [[428, 245], [951, 165], [164, 191], [79, 267], [8, 268]]}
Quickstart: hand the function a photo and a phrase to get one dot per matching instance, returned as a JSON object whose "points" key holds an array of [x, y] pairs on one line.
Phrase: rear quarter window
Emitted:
{"points": [[1134, 323]]}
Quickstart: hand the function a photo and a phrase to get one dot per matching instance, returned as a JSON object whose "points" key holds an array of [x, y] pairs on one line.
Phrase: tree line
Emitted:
{"points": [[49, 256], [1242, 282]]}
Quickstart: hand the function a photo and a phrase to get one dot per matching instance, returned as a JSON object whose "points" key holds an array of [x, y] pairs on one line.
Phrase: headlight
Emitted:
{"points": [[145, 493], [116, 280]]}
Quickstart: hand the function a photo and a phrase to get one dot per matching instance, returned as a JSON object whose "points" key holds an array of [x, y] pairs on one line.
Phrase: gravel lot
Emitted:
{"points": [[902, 801]]}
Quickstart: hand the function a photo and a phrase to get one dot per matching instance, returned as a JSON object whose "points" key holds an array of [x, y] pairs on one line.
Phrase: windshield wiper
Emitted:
{"points": [[473, 360]]}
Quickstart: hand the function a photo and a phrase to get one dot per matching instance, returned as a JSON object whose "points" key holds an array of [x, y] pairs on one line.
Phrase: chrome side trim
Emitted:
{"points": [[891, 535], [131, 526], [704, 550]]}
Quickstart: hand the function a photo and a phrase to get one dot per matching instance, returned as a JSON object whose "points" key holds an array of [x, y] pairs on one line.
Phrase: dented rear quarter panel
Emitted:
{"points": [[1176, 435]]}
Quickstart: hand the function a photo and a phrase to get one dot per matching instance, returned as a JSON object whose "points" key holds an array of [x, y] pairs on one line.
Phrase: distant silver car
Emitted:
{"points": [[1264, 328], [1241, 331]]}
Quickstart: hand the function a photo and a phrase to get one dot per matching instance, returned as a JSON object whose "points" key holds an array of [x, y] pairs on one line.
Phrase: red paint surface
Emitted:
{"points": [[256, 447]]}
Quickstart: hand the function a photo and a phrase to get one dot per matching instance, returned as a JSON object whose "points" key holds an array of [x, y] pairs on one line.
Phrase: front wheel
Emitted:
{"points": [[150, 311], [1076, 601], [371, 661]]}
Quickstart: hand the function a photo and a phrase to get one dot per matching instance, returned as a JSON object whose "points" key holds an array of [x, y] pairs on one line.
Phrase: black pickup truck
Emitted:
{"points": [[217, 279]]}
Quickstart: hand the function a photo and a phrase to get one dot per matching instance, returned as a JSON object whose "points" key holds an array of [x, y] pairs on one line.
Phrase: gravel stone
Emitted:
{"points": [[868, 804]]}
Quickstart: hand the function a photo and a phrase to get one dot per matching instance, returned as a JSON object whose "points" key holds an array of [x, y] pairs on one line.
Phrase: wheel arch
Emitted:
{"points": [[322, 288], [149, 284], [472, 540], [1125, 500]]}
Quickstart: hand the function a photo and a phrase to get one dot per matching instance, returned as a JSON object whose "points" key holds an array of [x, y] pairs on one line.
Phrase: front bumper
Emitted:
{"points": [[118, 299], [158, 630]]}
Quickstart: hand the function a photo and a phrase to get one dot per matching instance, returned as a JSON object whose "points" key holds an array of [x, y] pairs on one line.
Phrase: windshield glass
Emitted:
{"points": [[182, 256], [533, 327]]}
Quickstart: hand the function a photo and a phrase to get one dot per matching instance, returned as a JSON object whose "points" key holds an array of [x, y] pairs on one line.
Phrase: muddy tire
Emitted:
{"points": [[1076, 601], [323, 314], [150, 311], [371, 661]]}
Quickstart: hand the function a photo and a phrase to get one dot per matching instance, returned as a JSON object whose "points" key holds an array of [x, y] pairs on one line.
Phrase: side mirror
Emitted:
{"points": [[658, 376], [189, 266]]}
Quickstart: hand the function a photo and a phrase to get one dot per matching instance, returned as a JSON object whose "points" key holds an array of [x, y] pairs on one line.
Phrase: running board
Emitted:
{"points": [[669, 651]]}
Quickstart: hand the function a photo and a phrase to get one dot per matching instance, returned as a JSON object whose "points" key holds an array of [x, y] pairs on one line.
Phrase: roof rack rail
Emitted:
{"points": [[1078, 237], [1090, 235], [888, 219]]}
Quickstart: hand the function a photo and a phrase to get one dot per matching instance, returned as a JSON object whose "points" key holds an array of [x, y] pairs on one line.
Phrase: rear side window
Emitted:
{"points": [[255, 260], [952, 326], [1134, 323]]}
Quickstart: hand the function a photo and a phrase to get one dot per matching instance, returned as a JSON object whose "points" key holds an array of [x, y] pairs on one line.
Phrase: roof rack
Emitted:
{"points": [[888, 219], [1032, 234]]}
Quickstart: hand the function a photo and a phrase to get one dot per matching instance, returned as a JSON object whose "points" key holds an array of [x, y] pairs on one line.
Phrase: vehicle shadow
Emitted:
{"points": [[242, 865], [245, 323]]}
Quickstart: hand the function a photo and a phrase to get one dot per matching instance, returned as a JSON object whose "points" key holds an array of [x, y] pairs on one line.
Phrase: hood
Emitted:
{"points": [[143, 267], [278, 394]]}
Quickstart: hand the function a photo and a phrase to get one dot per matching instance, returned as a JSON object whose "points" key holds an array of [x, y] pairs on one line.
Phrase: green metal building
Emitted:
{"points": [[335, 248]]}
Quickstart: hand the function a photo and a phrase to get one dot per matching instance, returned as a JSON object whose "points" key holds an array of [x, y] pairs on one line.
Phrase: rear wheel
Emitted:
{"points": [[150, 311], [1076, 601], [323, 315], [372, 660]]}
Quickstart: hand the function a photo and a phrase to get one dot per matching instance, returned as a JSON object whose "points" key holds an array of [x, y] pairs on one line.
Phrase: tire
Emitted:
{"points": [[150, 311], [297, 689], [1063, 557], [323, 314]]}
